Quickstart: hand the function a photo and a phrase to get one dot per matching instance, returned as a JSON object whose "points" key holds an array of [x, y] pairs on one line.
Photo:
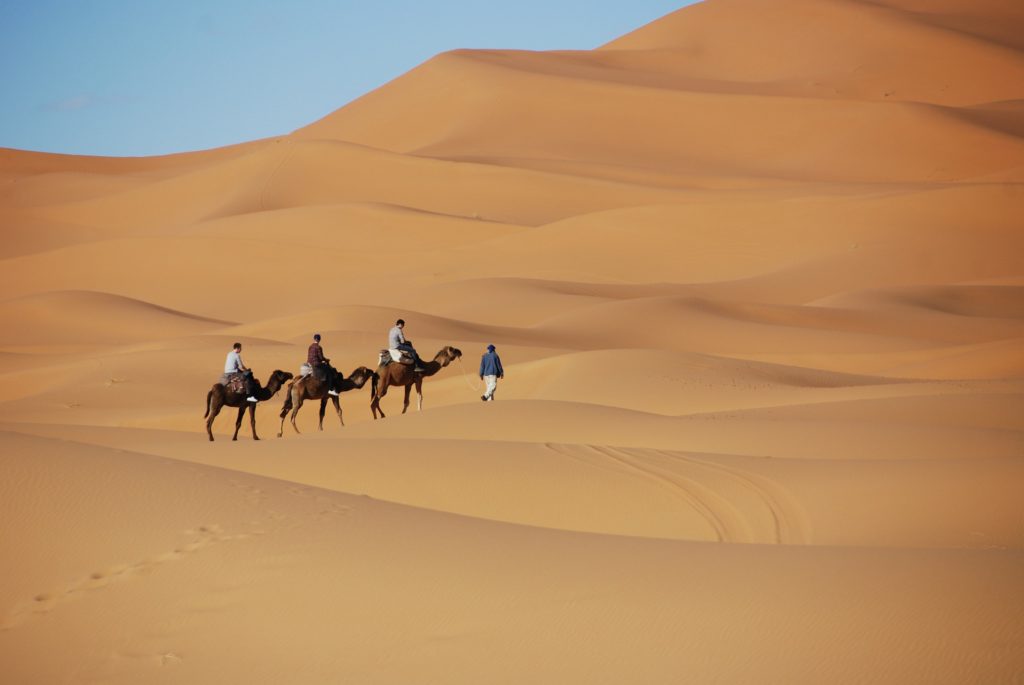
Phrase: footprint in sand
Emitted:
{"points": [[328, 507], [202, 536], [253, 495]]}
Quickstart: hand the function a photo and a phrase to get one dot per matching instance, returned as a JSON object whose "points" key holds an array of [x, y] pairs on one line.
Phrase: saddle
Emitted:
{"points": [[395, 356], [233, 383], [322, 371], [305, 370]]}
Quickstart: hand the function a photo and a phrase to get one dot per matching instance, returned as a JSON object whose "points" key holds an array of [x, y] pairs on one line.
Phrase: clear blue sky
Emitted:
{"points": [[143, 77]]}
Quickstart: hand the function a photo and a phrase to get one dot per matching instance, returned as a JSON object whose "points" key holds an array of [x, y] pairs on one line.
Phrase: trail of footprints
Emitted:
{"points": [[199, 538], [688, 477]]}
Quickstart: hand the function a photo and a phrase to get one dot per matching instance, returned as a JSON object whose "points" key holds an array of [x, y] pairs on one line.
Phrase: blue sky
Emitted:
{"points": [[144, 77]]}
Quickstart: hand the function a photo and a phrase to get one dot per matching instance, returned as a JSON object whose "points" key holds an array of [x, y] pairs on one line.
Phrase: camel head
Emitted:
{"points": [[279, 378], [360, 376], [448, 355]]}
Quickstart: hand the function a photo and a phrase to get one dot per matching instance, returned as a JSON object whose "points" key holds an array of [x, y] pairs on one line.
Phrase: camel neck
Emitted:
{"points": [[430, 368]]}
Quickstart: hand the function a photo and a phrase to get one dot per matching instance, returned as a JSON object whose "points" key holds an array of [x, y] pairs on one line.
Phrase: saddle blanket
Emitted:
{"points": [[233, 382], [395, 355]]}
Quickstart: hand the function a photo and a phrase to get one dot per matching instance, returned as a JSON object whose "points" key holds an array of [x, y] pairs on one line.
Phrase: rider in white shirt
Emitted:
{"points": [[233, 365], [397, 341]]}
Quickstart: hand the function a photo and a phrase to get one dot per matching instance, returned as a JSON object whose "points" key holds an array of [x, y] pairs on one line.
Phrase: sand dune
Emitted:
{"points": [[975, 301], [755, 272], [789, 136], [467, 585], [954, 61], [69, 317]]}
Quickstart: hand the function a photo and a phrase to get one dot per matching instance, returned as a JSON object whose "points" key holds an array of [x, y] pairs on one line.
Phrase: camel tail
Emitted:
{"points": [[208, 396]]}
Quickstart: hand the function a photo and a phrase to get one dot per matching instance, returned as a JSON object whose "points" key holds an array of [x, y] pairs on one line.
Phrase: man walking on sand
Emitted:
{"points": [[490, 372]]}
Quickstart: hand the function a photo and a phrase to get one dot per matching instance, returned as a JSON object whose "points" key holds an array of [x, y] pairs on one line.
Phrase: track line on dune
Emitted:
{"points": [[615, 467], [790, 526], [723, 531], [728, 520], [200, 538], [728, 526], [318, 506]]}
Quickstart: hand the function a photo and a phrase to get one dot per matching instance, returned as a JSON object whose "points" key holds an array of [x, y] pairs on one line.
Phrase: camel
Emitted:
{"points": [[403, 374], [311, 388], [219, 397]]}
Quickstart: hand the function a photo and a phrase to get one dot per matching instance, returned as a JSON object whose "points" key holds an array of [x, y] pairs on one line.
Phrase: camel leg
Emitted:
{"points": [[285, 408], [252, 419], [375, 404], [337, 408], [419, 394], [405, 406], [215, 406], [323, 410], [238, 422], [295, 412]]}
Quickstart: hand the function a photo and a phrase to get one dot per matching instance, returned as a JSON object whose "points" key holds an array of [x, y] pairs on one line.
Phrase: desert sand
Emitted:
{"points": [[756, 275]]}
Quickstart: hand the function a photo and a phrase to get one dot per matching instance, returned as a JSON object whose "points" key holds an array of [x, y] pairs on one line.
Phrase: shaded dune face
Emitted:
{"points": [[755, 274]]}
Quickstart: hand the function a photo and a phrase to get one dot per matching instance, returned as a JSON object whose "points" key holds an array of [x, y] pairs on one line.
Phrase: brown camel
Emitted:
{"points": [[219, 397], [311, 388], [403, 374]]}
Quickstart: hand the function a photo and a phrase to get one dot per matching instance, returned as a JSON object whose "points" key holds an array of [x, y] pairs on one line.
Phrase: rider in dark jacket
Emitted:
{"points": [[321, 365], [490, 372]]}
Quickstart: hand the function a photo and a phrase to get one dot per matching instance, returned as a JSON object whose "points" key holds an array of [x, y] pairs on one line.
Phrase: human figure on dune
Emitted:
{"points": [[397, 341], [490, 372], [234, 368], [321, 366]]}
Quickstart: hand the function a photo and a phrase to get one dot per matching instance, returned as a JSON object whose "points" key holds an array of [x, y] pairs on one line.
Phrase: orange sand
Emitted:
{"points": [[756, 273]]}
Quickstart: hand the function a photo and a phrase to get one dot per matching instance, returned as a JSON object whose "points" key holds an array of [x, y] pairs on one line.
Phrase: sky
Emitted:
{"points": [[147, 77]]}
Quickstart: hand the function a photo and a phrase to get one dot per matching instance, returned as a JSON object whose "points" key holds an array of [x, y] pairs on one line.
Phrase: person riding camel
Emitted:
{"points": [[234, 368], [322, 369], [397, 341]]}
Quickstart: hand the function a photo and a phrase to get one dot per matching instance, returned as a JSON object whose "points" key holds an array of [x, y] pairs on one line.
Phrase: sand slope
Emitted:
{"points": [[756, 274]]}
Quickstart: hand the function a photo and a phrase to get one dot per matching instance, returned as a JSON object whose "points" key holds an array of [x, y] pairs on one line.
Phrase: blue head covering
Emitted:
{"points": [[490, 348]]}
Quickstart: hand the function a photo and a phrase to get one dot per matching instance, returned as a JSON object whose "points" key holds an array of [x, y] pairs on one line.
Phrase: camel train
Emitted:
{"points": [[406, 372]]}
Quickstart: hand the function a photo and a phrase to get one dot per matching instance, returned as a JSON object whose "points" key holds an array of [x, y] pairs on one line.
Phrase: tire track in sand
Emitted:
{"points": [[791, 524], [721, 522], [732, 518]]}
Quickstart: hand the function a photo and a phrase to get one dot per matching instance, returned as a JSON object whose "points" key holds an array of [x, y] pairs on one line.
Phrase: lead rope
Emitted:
{"points": [[474, 388]]}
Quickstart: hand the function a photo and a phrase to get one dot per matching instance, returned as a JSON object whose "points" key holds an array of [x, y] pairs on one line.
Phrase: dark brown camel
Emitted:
{"points": [[219, 397], [402, 374], [311, 388]]}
